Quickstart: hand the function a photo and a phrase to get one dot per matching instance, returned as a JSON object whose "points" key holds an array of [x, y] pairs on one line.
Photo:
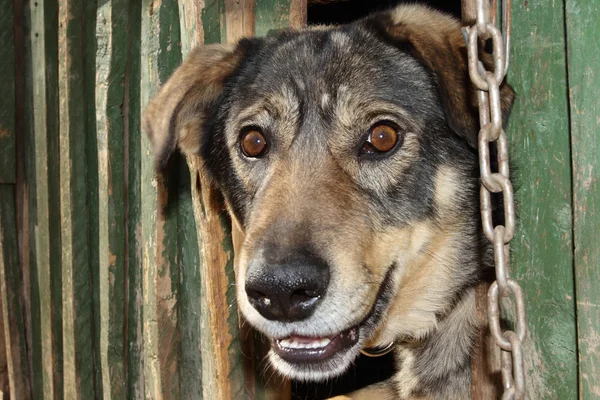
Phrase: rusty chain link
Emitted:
{"points": [[490, 116]]}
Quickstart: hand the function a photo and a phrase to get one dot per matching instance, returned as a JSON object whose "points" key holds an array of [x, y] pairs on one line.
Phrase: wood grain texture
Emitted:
{"points": [[4, 343], [78, 378], [45, 268], [191, 303], [160, 54], [239, 19], [223, 374], [133, 217], [582, 18], [92, 196], [271, 15], [111, 61], [8, 165], [542, 258], [298, 14], [10, 290]]}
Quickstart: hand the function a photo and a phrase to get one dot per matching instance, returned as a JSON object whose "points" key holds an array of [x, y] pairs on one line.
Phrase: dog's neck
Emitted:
{"points": [[438, 367], [433, 361]]}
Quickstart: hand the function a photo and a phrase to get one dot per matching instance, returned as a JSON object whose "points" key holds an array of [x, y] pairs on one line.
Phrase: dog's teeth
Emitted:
{"points": [[295, 344]]}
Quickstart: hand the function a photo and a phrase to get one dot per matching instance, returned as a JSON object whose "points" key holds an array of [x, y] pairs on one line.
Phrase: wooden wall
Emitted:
{"points": [[118, 283]]}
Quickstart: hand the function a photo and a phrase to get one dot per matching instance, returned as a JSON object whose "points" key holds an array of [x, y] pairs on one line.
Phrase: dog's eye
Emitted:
{"points": [[382, 138], [253, 143]]}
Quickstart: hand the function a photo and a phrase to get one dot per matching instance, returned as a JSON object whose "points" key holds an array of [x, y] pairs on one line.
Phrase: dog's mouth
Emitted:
{"points": [[300, 349], [321, 357]]}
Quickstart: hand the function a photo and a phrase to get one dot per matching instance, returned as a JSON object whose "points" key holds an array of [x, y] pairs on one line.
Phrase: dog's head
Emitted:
{"points": [[346, 156]]}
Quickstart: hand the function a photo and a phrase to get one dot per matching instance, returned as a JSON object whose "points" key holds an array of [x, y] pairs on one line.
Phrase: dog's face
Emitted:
{"points": [[345, 156]]}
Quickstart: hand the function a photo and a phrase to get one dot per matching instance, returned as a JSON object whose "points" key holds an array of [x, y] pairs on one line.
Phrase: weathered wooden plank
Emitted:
{"points": [[28, 202], [76, 302], [4, 343], [239, 19], [582, 18], [111, 62], [278, 14], [134, 244], [45, 263], [542, 258], [8, 166], [223, 375], [271, 15], [190, 303], [298, 13], [92, 195], [52, 111], [160, 54], [190, 262], [10, 286]]}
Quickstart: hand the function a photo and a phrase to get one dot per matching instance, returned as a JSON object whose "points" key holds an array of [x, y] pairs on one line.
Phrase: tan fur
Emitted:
{"points": [[446, 189], [430, 259]]}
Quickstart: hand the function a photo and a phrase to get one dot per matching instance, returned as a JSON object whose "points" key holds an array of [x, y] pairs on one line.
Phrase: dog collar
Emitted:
{"points": [[378, 351]]}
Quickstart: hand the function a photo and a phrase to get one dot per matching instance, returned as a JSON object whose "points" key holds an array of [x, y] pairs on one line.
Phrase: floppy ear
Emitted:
{"points": [[176, 116], [436, 41]]}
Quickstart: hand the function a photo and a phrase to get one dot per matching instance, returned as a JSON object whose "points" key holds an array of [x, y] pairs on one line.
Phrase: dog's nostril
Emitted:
{"points": [[257, 296], [303, 296]]}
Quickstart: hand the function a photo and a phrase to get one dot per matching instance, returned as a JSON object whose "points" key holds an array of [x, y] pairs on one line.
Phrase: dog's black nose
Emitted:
{"points": [[287, 289]]}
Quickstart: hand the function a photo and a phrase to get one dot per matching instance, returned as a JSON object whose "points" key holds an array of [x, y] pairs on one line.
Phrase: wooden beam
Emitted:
{"points": [[132, 154], [582, 18], [42, 171], [10, 293], [76, 300], [111, 61], [542, 250], [8, 165], [160, 55], [195, 348]]}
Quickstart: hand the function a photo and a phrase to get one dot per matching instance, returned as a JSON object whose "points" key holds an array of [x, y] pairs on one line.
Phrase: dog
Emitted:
{"points": [[347, 156]]}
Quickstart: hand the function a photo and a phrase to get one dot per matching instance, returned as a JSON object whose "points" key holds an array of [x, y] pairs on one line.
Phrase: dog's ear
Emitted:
{"points": [[436, 41], [176, 116]]}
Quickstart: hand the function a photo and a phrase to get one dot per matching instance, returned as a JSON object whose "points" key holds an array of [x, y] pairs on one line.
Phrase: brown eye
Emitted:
{"points": [[382, 138], [253, 143]]}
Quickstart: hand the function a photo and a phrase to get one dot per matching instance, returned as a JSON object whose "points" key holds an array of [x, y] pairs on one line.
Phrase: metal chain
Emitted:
{"points": [[490, 116]]}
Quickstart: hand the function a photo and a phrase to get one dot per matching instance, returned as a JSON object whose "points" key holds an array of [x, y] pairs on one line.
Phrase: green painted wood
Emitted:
{"points": [[213, 22], [135, 336], [77, 336], [31, 298], [271, 15], [160, 55], [92, 196], [54, 218], [190, 309], [111, 63], [8, 166], [190, 293], [542, 258], [10, 291], [582, 18], [44, 263]]}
